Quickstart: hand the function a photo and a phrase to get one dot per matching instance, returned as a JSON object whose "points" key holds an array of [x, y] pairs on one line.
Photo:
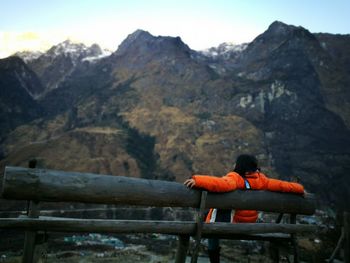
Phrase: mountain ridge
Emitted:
{"points": [[276, 98]]}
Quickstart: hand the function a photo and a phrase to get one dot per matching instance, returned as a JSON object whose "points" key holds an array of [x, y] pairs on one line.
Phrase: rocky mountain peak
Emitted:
{"points": [[139, 35], [61, 60], [278, 36], [76, 51], [278, 30], [67, 48], [135, 38], [143, 43]]}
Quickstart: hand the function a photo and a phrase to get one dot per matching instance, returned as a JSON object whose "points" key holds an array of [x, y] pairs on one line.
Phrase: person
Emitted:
{"points": [[245, 175]]}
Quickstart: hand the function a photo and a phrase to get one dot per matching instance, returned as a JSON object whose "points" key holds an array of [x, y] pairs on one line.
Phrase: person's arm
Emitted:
{"points": [[213, 184], [284, 186]]}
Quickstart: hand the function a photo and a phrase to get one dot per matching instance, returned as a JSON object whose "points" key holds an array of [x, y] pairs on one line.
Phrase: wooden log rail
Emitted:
{"points": [[57, 186], [38, 185], [146, 226]]}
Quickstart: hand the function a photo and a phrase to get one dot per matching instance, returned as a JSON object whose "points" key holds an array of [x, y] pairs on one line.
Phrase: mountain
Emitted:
{"points": [[18, 88], [157, 109], [298, 93], [58, 63]]}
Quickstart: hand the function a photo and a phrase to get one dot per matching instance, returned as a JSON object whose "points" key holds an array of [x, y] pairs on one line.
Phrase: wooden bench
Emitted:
{"points": [[39, 185]]}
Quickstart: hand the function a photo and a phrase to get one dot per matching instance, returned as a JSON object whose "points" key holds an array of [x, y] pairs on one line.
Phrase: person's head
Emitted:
{"points": [[246, 163]]}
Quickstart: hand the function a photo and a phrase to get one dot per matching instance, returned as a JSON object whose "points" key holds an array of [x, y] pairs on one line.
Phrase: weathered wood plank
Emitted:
{"points": [[275, 237], [258, 228], [143, 226], [49, 185]]}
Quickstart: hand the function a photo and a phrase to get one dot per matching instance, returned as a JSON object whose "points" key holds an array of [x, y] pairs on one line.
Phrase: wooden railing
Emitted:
{"points": [[39, 185]]}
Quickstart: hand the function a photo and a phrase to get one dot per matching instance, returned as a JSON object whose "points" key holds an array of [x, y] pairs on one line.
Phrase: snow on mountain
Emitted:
{"points": [[78, 51], [28, 55], [224, 50], [105, 53]]}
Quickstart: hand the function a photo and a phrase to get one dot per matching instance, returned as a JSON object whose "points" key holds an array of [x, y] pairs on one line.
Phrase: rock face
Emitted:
{"points": [[18, 86], [304, 125], [157, 109]]}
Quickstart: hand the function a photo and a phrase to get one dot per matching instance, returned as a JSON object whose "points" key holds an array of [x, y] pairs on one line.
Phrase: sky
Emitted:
{"points": [[39, 24]]}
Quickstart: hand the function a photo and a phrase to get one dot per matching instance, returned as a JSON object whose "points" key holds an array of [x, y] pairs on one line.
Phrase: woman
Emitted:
{"points": [[246, 175]]}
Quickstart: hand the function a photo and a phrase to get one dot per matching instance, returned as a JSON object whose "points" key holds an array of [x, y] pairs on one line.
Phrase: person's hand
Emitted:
{"points": [[190, 183]]}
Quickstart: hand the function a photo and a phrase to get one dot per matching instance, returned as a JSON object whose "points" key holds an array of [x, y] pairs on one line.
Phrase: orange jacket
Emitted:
{"points": [[233, 181]]}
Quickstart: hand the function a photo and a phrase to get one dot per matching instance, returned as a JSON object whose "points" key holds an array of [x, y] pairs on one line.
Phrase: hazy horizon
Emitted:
{"points": [[200, 24]]}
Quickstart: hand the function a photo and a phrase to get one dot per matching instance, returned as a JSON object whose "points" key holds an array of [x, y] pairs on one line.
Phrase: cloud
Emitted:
{"points": [[28, 36], [12, 42]]}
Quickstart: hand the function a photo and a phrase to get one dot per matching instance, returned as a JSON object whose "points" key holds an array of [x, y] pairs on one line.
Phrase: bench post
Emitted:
{"points": [[274, 246], [274, 251], [293, 220], [347, 237], [30, 236], [199, 226], [182, 248]]}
